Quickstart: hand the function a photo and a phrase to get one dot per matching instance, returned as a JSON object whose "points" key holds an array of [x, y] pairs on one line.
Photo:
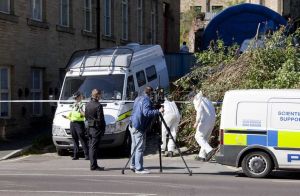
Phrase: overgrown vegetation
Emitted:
{"points": [[220, 68]]}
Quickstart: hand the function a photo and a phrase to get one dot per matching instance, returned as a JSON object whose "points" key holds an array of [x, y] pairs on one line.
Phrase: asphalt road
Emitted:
{"points": [[49, 174]]}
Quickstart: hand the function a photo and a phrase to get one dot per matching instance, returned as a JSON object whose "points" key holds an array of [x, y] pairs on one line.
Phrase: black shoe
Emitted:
{"points": [[197, 158], [97, 169], [211, 154], [75, 158]]}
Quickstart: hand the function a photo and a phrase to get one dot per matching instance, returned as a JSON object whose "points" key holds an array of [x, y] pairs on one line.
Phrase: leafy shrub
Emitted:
{"points": [[219, 69]]}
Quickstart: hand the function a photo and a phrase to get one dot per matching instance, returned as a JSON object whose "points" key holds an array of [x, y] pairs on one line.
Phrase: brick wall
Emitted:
{"points": [[25, 44]]}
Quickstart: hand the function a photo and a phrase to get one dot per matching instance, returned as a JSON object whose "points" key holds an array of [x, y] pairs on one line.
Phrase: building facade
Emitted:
{"points": [[207, 9], [37, 38]]}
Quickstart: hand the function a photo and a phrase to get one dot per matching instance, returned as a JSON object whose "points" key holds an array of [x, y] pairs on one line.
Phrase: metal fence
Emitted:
{"points": [[179, 64]]}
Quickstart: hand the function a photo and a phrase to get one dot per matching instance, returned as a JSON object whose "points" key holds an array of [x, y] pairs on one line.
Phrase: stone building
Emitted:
{"points": [[37, 38]]}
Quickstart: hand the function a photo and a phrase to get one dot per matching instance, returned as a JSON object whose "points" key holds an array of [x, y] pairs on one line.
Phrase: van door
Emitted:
{"points": [[284, 131], [130, 89], [141, 81], [152, 76]]}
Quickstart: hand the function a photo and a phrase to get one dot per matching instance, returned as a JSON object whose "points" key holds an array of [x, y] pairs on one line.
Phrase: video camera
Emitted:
{"points": [[157, 97]]}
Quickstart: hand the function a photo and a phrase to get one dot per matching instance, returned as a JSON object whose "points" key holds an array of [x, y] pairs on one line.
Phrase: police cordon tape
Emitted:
{"points": [[217, 103]]}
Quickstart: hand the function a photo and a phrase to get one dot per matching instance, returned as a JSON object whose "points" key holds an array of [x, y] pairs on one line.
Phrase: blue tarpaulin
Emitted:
{"points": [[240, 22]]}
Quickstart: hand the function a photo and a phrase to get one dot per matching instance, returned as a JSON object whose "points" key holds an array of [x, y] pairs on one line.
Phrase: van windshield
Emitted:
{"points": [[111, 86]]}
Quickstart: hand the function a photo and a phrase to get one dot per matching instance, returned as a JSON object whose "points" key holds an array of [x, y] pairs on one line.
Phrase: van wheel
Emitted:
{"points": [[257, 164], [61, 152], [126, 146]]}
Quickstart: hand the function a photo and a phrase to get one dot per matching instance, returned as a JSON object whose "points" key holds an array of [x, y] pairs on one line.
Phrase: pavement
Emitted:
{"points": [[17, 145]]}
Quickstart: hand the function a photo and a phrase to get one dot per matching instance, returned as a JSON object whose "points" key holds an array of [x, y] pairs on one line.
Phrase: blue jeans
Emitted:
{"points": [[138, 142]]}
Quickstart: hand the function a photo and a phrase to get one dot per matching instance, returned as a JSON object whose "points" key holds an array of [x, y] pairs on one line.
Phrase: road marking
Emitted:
{"points": [[233, 168], [287, 181], [75, 192], [14, 160], [74, 175]]}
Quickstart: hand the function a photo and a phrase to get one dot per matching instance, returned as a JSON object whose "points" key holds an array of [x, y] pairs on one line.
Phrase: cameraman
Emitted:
{"points": [[142, 114]]}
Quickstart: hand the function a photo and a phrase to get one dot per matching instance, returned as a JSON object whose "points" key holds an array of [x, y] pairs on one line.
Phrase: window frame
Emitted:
{"points": [[6, 91], [140, 24], [152, 77], [107, 18], [8, 8], [124, 5], [34, 90], [33, 2], [61, 14], [217, 8], [90, 18], [139, 81], [127, 89]]}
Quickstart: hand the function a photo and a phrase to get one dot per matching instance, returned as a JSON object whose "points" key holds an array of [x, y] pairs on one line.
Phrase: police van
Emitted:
{"points": [[260, 131], [121, 74]]}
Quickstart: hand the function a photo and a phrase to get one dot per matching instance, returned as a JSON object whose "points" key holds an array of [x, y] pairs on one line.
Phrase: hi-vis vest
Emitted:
{"points": [[75, 114]]}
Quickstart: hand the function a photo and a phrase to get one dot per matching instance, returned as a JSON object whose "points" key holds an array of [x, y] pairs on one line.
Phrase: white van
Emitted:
{"points": [[260, 130], [121, 73]]}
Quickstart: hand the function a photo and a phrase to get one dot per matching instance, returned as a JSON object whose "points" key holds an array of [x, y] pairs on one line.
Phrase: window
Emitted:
{"points": [[153, 20], [36, 10], [140, 21], [141, 79], [4, 91], [151, 73], [37, 90], [88, 15], [111, 86], [197, 10], [65, 13], [216, 8], [130, 88], [124, 19], [5, 6], [107, 17]]}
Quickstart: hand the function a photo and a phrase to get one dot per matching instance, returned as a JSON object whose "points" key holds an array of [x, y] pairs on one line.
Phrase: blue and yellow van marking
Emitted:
{"points": [[271, 138]]}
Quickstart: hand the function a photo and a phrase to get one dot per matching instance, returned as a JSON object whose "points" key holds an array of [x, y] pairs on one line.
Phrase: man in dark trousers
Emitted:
{"points": [[96, 126], [76, 116]]}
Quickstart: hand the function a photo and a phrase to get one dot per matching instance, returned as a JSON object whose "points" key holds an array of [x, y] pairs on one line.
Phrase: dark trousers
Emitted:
{"points": [[78, 134], [94, 140]]}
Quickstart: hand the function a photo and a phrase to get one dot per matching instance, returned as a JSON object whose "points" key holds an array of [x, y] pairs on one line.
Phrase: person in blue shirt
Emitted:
{"points": [[141, 117]]}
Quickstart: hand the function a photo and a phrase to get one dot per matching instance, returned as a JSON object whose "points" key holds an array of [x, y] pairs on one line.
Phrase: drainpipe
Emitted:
{"points": [[98, 23], [207, 5]]}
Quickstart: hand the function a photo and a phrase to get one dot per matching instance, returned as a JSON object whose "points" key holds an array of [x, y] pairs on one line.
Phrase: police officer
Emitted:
{"points": [[77, 128], [96, 126]]}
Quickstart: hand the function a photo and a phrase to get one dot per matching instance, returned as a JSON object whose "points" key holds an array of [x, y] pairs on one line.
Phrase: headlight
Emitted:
{"points": [[58, 131], [110, 128]]}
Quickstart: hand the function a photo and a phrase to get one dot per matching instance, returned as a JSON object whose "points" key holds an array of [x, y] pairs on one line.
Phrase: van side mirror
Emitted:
{"points": [[52, 104]]}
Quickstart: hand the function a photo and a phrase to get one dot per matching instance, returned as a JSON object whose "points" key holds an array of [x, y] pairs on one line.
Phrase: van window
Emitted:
{"points": [[151, 73], [111, 86], [251, 115], [130, 88], [285, 116], [141, 79]]}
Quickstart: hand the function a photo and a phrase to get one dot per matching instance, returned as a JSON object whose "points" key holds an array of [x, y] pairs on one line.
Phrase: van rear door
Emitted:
{"points": [[284, 131]]}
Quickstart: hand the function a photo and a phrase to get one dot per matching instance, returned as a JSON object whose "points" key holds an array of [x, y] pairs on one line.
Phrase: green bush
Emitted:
{"points": [[219, 69]]}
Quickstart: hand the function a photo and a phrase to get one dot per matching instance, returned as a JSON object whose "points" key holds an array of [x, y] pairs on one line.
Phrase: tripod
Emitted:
{"points": [[160, 162]]}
